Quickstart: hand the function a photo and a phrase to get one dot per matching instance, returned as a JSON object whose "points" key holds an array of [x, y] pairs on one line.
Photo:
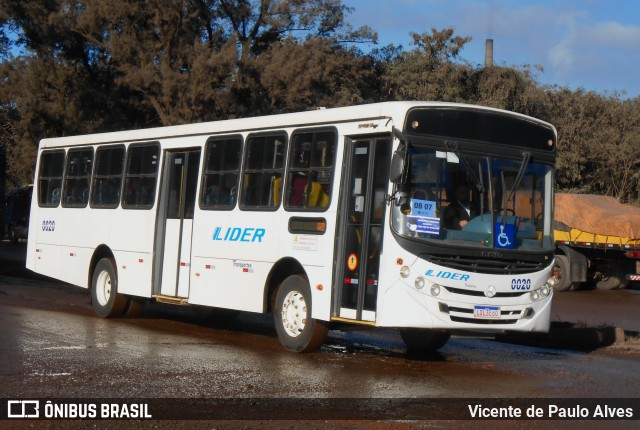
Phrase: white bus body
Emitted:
{"points": [[223, 214]]}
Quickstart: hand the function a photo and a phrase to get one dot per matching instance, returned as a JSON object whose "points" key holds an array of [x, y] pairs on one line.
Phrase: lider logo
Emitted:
{"points": [[443, 274], [237, 234]]}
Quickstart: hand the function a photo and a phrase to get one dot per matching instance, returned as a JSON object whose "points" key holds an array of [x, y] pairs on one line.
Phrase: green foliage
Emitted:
{"points": [[428, 72], [94, 65]]}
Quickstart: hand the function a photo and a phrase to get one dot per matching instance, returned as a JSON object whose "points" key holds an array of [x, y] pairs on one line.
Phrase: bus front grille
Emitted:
{"points": [[501, 266], [482, 321], [477, 293]]}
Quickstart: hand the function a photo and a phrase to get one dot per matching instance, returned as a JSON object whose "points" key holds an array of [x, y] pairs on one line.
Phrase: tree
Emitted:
{"points": [[430, 71], [298, 75], [105, 66], [598, 142], [510, 88], [186, 60]]}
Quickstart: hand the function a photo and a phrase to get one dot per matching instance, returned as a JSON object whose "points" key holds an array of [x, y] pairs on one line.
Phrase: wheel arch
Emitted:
{"points": [[577, 261], [280, 271], [102, 251]]}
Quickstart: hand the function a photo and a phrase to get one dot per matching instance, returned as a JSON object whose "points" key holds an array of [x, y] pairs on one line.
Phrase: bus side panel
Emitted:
{"points": [[315, 253], [46, 240], [229, 284], [134, 272], [233, 253], [131, 240], [79, 235]]}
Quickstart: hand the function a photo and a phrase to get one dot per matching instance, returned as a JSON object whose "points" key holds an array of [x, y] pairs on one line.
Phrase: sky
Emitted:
{"points": [[588, 44]]}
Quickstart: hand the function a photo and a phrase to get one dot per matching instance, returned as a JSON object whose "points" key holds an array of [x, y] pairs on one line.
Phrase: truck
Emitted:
{"points": [[16, 218], [597, 242]]}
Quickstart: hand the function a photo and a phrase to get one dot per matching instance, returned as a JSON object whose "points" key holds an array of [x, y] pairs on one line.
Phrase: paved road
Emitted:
{"points": [[53, 345], [618, 308]]}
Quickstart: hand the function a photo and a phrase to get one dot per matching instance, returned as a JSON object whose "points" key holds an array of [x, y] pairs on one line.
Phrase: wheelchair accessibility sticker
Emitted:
{"points": [[504, 235]]}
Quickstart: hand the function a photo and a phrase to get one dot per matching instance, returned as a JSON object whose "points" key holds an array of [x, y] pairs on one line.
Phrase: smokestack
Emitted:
{"points": [[488, 53]]}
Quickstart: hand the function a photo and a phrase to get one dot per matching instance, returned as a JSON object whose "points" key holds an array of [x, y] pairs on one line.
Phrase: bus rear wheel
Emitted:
{"points": [[296, 330], [424, 340], [106, 300]]}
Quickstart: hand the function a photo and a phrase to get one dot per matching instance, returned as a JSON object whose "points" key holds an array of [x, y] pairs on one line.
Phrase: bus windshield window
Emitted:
{"points": [[475, 200]]}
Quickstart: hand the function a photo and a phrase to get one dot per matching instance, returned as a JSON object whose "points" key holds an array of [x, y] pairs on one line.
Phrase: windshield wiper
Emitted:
{"points": [[477, 181], [526, 157]]}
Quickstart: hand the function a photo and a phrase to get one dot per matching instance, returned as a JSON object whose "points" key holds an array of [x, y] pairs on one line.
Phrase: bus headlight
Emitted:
{"points": [[545, 290], [405, 272], [541, 293], [419, 282], [435, 290]]}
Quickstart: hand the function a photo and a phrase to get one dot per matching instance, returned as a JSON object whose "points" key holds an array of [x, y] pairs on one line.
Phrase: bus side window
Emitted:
{"points": [[221, 173], [50, 178], [141, 176], [77, 177], [263, 172], [107, 179], [310, 172]]}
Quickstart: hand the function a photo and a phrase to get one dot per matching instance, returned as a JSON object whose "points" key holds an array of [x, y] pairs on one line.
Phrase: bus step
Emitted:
{"points": [[170, 300]]}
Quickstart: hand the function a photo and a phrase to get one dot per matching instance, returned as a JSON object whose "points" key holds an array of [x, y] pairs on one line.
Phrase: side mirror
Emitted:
{"points": [[397, 171]]}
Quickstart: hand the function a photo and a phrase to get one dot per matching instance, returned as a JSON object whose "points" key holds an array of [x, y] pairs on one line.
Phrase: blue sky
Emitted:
{"points": [[590, 44]]}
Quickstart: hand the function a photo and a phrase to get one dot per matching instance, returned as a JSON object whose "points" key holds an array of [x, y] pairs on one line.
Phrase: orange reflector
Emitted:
{"points": [[319, 287], [399, 261]]}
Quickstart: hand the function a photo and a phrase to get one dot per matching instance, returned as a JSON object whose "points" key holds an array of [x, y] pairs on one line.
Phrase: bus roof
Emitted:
{"points": [[395, 111]]}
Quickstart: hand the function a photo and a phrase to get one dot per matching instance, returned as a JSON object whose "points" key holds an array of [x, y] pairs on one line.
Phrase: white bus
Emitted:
{"points": [[422, 216]]}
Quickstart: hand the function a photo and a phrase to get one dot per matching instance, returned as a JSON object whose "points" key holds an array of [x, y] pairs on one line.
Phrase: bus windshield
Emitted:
{"points": [[472, 200]]}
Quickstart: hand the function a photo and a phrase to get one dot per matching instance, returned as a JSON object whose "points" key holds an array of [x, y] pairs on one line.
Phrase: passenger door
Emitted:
{"points": [[175, 221], [361, 224]]}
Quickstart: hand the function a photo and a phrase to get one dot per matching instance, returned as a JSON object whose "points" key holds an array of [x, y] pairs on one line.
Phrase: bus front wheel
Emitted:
{"points": [[106, 300], [296, 330]]}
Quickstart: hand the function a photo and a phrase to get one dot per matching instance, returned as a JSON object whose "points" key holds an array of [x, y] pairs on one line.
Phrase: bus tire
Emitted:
{"points": [[563, 270], [296, 330], [612, 281], [424, 340], [106, 300]]}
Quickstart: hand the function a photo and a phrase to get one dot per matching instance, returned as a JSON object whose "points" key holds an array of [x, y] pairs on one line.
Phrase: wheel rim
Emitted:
{"points": [[103, 288], [294, 313]]}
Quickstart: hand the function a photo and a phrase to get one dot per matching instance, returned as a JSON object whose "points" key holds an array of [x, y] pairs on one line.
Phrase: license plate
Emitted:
{"points": [[486, 312]]}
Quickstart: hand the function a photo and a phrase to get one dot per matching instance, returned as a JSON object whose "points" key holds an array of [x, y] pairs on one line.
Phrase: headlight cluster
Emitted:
{"points": [[537, 295], [544, 291], [419, 282]]}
